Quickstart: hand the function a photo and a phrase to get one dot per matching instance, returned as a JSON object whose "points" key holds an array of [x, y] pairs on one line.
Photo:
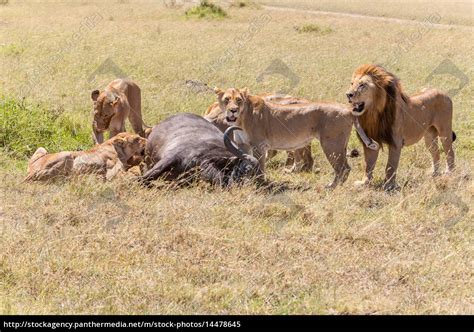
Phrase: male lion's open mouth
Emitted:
{"points": [[358, 107], [231, 118]]}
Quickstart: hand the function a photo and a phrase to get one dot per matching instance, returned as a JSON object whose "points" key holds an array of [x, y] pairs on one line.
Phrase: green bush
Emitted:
{"points": [[206, 9], [24, 128]]}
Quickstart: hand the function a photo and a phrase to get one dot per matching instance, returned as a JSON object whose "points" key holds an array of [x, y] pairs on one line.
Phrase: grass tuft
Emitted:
{"points": [[245, 3], [313, 28], [11, 49], [206, 9]]}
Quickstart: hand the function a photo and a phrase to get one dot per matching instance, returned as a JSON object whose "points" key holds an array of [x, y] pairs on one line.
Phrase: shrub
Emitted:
{"points": [[24, 128], [206, 9]]}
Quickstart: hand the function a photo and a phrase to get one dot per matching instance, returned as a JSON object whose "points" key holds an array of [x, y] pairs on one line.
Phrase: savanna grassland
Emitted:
{"points": [[84, 246]]}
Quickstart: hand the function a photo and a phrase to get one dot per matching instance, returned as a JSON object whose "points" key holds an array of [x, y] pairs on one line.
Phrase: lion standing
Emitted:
{"points": [[121, 99], [389, 116], [289, 127], [298, 160]]}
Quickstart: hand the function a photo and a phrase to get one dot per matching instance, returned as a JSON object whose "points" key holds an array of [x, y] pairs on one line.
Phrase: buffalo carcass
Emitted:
{"points": [[186, 145]]}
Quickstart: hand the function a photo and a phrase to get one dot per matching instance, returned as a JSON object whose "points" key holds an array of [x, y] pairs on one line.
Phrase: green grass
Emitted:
{"points": [[25, 127], [206, 9]]}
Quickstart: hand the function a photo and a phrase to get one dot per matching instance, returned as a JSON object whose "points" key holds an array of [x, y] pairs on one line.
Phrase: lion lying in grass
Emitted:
{"points": [[289, 127], [298, 160], [389, 116], [107, 160]]}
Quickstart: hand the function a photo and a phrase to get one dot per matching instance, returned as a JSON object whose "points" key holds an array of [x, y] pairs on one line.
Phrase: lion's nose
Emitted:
{"points": [[349, 95], [234, 110]]}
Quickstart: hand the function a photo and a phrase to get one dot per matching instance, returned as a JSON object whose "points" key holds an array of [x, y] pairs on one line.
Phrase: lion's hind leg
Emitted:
{"points": [[307, 157], [338, 160], [59, 164], [33, 167], [431, 142], [447, 138]]}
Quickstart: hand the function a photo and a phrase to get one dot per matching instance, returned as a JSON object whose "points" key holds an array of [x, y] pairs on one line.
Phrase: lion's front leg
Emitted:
{"points": [[97, 137], [394, 152], [117, 126], [370, 157], [135, 118], [110, 173], [260, 152]]}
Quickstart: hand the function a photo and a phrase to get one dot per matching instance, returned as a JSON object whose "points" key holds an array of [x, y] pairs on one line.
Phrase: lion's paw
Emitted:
{"points": [[391, 186], [361, 183]]}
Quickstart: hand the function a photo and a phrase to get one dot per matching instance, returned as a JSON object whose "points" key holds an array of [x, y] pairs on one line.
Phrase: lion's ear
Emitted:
{"points": [[116, 100], [112, 98], [121, 141], [95, 94], [245, 92], [218, 92]]}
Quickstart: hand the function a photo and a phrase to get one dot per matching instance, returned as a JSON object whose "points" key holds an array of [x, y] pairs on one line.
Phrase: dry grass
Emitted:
{"points": [[90, 247], [452, 12]]}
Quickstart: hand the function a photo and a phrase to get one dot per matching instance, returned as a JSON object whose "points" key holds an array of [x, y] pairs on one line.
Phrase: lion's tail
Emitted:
{"points": [[454, 136]]}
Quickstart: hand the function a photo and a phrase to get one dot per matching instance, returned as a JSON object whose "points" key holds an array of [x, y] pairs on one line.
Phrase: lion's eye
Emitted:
{"points": [[238, 100], [226, 100]]}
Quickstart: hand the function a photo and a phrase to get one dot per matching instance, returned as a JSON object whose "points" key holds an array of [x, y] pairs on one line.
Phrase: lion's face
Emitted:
{"points": [[361, 94], [232, 103], [129, 145], [104, 108]]}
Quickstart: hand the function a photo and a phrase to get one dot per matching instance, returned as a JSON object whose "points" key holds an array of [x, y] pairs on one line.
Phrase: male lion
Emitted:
{"points": [[298, 160], [390, 117], [120, 100], [289, 127], [107, 159]]}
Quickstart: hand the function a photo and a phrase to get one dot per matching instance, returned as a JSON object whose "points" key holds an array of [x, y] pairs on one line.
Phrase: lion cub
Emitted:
{"points": [[107, 159]]}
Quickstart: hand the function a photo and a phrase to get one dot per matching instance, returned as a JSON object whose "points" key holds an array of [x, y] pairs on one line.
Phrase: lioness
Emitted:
{"points": [[390, 117], [120, 100], [289, 127], [298, 160], [107, 159]]}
